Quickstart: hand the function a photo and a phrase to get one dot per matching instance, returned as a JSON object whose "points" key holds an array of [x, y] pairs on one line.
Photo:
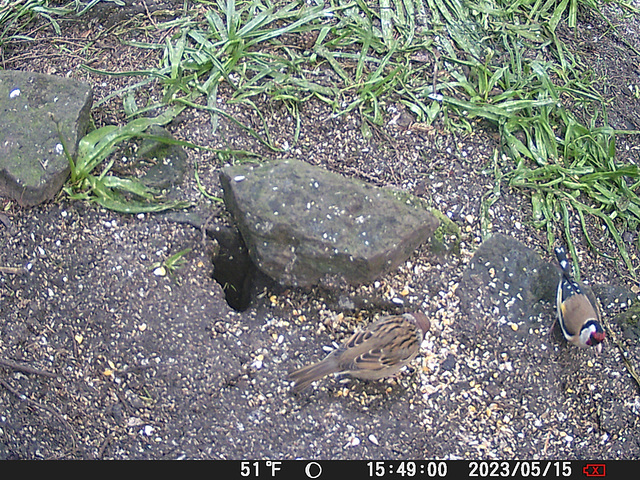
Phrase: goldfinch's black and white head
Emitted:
{"points": [[579, 318]]}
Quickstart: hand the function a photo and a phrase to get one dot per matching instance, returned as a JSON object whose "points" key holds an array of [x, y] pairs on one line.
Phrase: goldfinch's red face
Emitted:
{"points": [[595, 338], [592, 334]]}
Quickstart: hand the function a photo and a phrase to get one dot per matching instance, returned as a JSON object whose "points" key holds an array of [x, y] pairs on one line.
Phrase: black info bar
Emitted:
{"points": [[427, 469]]}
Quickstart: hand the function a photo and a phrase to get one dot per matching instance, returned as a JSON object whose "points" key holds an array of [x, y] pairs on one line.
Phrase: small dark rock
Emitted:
{"points": [[449, 363], [629, 322], [169, 160], [506, 281], [613, 297]]}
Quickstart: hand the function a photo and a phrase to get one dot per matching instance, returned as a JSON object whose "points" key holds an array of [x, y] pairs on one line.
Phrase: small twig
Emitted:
{"points": [[153, 22], [13, 270], [626, 361], [103, 447], [60, 418], [204, 228], [546, 444], [26, 368], [74, 342]]}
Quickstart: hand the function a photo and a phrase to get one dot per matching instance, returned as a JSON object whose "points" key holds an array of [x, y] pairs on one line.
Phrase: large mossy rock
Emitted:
{"points": [[38, 113], [306, 226]]}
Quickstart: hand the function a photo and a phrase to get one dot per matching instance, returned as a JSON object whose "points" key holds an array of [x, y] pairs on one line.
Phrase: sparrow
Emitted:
{"points": [[578, 316], [378, 351]]}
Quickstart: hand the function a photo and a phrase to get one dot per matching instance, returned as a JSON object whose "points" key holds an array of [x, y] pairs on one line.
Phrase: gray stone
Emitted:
{"points": [[629, 322], [622, 307], [507, 283], [614, 297], [170, 160], [306, 226], [34, 108]]}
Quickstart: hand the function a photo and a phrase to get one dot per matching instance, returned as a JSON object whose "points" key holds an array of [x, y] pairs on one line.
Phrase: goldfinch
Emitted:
{"points": [[578, 317], [378, 351]]}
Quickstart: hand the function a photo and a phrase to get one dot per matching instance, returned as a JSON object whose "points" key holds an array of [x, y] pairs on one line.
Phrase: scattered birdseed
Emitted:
{"points": [[160, 271], [353, 441]]}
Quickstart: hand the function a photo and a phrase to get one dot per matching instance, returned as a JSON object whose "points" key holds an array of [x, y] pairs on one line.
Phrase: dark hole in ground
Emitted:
{"points": [[233, 268]]}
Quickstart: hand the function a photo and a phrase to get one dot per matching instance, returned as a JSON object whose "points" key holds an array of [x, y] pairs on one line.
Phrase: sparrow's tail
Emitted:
{"points": [[309, 374]]}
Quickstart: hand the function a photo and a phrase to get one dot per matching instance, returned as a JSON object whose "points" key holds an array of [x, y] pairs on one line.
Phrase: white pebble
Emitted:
{"points": [[352, 442]]}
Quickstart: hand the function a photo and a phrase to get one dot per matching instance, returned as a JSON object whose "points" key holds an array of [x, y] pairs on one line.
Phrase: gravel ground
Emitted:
{"points": [[149, 367]]}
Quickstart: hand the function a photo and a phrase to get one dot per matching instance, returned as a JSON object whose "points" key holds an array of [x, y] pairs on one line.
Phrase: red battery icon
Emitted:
{"points": [[594, 470]]}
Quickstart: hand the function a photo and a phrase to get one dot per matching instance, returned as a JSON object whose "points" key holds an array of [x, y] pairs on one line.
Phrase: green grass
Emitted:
{"points": [[497, 60], [451, 60], [90, 179], [251, 47], [125, 195], [170, 265], [536, 97], [17, 15]]}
